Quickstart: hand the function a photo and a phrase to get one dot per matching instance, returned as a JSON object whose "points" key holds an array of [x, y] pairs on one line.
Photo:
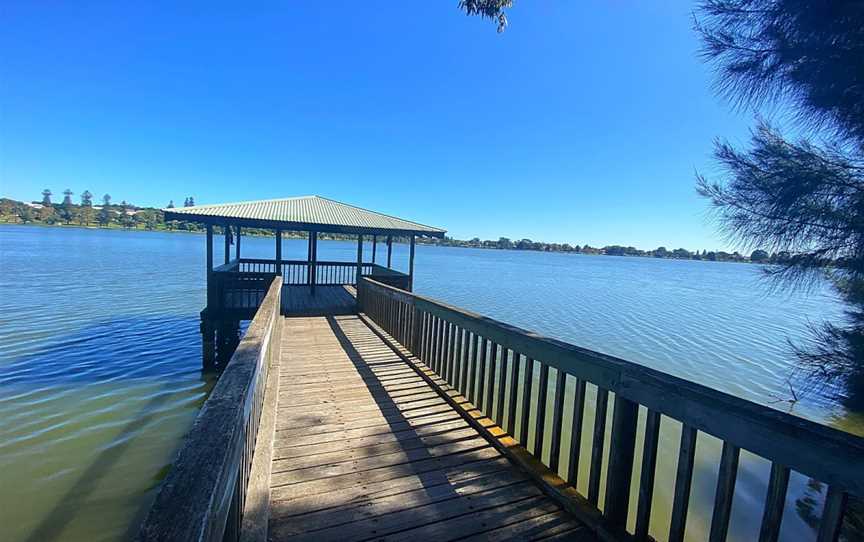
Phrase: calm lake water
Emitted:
{"points": [[100, 359]]}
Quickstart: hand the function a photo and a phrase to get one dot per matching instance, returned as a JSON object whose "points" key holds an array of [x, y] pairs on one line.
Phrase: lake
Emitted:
{"points": [[100, 358]]}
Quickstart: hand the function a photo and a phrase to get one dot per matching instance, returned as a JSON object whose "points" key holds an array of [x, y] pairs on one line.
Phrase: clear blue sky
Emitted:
{"points": [[584, 122]]}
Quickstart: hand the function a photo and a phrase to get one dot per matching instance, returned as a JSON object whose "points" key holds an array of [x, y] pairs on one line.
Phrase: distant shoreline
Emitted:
{"points": [[288, 236]]}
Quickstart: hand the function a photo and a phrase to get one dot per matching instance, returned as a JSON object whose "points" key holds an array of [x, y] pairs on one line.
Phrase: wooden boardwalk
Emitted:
{"points": [[365, 449]]}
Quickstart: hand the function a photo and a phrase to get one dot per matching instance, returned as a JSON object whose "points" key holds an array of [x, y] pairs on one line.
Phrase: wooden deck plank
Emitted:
{"points": [[365, 449], [327, 300]]}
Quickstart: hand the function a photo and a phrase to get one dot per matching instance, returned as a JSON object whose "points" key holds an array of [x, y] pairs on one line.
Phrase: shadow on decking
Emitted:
{"points": [[402, 408], [326, 300]]}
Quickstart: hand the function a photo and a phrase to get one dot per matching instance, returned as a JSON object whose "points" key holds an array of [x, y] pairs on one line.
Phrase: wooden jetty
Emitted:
{"points": [[355, 409]]}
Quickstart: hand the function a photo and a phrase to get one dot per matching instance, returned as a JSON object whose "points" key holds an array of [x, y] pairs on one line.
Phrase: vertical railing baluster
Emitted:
{"points": [[430, 322], [576, 431], [416, 331], [445, 350], [512, 399], [442, 328], [433, 343], [646, 478], [832, 515], [622, 446], [557, 420], [540, 422], [501, 368], [775, 502], [451, 353], [471, 378], [464, 341], [724, 493], [683, 483], [481, 379], [527, 385], [597, 445], [448, 351]]}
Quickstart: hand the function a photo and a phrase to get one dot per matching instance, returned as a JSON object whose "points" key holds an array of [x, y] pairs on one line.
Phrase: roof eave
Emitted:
{"points": [[296, 226]]}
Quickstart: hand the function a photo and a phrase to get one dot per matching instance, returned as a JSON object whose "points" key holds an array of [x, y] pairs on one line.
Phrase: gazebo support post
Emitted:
{"points": [[411, 266], [227, 231], [359, 258], [237, 244], [208, 331], [278, 252], [389, 251], [374, 247], [309, 237], [313, 244]]}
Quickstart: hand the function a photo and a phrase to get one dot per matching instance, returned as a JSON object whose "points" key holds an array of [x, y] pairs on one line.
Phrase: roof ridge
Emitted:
{"points": [[268, 200]]}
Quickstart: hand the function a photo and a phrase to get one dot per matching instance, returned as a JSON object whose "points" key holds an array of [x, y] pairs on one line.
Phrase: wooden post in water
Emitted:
{"points": [[279, 252], [374, 247], [411, 267], [359, 258], [237, 244], [389, 251]]}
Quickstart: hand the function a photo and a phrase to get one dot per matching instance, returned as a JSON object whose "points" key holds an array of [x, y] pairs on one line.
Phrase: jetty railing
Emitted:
{"points": [[488, 362], [204, 493]]}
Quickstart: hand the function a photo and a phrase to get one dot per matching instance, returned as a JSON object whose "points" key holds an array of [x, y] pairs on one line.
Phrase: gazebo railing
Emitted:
{"points": [[326, 272], [243, 283], [494, 366]]}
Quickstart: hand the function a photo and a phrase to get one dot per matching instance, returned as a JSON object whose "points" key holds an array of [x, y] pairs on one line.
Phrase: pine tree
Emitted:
{"points": [[804, 197]]}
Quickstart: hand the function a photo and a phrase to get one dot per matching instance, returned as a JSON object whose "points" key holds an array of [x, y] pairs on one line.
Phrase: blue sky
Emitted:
{"points": [[584, 122]]}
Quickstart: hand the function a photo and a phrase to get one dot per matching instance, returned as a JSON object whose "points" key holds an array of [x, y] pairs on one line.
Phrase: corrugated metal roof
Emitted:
{"points": [[302, 213]]}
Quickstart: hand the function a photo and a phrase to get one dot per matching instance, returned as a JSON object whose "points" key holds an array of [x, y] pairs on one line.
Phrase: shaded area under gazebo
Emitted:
{"points": [[236, 288]]}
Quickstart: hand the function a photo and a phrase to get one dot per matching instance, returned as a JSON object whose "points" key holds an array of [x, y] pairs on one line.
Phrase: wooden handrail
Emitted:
{"points": [[454, 342], [298, 272], [203, 495]]}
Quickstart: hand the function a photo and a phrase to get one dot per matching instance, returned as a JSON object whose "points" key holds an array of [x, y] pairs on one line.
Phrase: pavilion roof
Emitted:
{"points": [[305, 213]]}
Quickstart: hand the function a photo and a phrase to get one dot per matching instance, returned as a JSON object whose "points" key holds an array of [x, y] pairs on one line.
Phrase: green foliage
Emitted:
{"points": [[759, 255], [801, 198], [489, 9]]}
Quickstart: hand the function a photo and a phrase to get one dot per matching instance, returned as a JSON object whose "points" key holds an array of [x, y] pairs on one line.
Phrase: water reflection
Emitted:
{"points": [[89, 419]]}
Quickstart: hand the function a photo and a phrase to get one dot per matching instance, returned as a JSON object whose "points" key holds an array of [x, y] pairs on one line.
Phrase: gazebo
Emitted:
{"points": [[236, 287]]}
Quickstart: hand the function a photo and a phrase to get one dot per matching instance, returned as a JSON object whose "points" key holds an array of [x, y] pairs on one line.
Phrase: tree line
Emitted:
{"points": [[85, 212], [503, 243]]}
